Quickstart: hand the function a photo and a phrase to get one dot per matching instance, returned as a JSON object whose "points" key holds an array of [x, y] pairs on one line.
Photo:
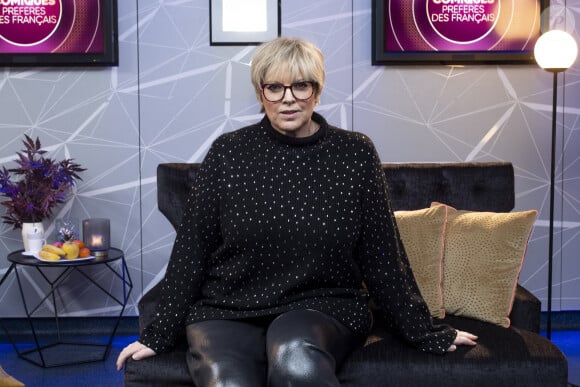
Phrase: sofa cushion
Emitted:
{"points": [[483, 256], [502, 358], [422, 233], [165, 369]]}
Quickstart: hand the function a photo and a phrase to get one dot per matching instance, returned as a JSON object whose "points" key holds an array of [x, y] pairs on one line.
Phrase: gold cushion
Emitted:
{"points": [[482, 259], [422, 235], [8, 381]]}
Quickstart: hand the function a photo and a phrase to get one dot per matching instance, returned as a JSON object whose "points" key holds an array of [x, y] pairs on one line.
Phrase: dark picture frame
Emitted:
{"points": [[383, 32], [44, 55]]}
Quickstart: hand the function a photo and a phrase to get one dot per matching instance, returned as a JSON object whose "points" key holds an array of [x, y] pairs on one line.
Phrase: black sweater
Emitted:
{"points": [[276, 223]]}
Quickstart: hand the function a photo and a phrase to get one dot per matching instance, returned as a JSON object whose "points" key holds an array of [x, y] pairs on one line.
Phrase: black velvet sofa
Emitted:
{"points": [[514, 356]]}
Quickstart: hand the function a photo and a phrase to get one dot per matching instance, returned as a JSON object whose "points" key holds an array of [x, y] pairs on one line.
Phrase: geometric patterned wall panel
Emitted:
{"points": [[172, 94]]}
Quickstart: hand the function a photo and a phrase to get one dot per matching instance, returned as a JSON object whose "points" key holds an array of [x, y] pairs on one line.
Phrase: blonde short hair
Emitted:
{"points": [[288, 56]]}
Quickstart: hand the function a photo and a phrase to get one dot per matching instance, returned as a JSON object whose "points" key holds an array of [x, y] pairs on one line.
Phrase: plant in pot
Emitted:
{"points": [[35, 188]]}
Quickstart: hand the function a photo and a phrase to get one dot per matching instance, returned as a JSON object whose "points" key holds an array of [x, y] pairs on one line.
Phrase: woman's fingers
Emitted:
{"points": [[136, 350], [463, 338]]}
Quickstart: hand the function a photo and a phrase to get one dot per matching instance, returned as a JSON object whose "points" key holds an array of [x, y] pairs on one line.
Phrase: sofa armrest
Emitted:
{"points": [[526, 310]]}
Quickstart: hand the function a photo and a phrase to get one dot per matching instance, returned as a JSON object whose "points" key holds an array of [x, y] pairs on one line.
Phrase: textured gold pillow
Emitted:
{"points": [[482, 259], [8, 381], [422, 234]]}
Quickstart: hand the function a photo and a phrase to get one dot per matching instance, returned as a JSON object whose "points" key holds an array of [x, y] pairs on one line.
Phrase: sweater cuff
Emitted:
{"points": [[438, 340], [156, 342]]}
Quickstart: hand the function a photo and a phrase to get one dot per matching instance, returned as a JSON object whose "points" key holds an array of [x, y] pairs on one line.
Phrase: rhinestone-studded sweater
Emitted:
{"points": [[276, 223]]}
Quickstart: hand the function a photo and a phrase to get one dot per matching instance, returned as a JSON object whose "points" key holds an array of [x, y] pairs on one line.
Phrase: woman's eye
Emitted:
{"points": [[300, 85], [275, 88]]}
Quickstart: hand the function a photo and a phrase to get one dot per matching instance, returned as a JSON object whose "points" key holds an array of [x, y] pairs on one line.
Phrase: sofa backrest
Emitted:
{"points": [[174, 181], [483, 186]]}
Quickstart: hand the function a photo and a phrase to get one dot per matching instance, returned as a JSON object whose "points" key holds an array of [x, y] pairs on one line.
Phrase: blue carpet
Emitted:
{"points": [[569, 344], [96, 374], [104, 373]]}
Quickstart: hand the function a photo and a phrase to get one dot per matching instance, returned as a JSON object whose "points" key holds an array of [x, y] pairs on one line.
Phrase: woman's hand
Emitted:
{"points": [[136, 351], [462, 338]]}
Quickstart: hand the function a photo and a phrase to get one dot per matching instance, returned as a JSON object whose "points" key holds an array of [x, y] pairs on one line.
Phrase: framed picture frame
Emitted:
{"points": [[440, 32], [243, 22], [61, 33]]}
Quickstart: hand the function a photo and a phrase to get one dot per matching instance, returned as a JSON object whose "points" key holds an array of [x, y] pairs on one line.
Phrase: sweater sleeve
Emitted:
{"points": [[197, 237], [386, 269]]}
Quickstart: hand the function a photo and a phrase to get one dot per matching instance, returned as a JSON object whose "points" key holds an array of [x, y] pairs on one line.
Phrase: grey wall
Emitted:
{"points": [[173, 94]]}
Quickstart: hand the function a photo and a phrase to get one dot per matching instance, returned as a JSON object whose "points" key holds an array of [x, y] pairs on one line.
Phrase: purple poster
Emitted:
{"points": [[50, 26], [461, 25]]}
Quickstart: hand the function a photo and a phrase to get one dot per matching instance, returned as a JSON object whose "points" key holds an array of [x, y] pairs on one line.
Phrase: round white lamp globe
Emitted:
{"points": [[555, 50]]}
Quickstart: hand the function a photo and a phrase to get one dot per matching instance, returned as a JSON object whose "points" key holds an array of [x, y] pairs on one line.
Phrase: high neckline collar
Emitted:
{"points": [[297, 141]]}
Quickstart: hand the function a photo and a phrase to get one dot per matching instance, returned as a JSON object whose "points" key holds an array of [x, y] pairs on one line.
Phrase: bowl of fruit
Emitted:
{"points": [[65, 251], [68, 247]]}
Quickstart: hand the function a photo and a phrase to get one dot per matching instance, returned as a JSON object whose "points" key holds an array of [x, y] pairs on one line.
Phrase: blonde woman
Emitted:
{"points": [[287, 219]]}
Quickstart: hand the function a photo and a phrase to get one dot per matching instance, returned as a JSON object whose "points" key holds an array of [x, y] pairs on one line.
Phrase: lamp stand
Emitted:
{"points": [[551, 224], [554, 51]]}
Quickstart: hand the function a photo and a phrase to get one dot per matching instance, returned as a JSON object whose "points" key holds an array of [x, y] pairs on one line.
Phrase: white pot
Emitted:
{"points": [[31, 231]]}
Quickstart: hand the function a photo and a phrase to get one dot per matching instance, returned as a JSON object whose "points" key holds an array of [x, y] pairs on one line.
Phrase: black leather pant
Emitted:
{"points": [[297, 348]]}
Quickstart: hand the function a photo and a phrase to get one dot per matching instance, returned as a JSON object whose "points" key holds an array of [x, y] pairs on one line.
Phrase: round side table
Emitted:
{"points": [[50, 349]]}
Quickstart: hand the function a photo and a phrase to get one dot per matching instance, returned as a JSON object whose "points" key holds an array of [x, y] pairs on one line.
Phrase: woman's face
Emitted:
{"points": [[290, 116]]}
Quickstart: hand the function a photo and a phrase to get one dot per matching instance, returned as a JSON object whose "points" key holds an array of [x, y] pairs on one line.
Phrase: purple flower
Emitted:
{"points": [[43, 184]]}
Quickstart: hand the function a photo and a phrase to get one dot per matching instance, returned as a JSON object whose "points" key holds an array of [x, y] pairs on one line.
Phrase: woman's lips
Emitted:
{"points": [[289, 113]]}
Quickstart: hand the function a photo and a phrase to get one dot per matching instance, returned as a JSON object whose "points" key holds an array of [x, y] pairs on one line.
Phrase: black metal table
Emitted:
{"points": [[69, 352]]}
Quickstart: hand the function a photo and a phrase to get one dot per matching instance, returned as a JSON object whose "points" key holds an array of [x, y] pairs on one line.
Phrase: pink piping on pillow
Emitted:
{"points": [[441, 253], [515, 285]]}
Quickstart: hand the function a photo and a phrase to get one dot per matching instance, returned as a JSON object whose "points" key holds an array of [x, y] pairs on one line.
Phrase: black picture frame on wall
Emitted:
{"points": [[395, 22], [60, 47]]}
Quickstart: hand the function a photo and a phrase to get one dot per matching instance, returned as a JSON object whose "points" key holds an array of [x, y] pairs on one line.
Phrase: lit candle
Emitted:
{"points": [[96, 235], [97, 242]]}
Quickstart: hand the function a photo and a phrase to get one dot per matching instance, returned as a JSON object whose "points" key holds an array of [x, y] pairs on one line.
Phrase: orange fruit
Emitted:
{"points": [[79, 243], [84, 252]]}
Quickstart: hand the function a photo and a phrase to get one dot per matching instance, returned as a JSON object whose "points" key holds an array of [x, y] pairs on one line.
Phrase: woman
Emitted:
{"points": [[288, 218]]}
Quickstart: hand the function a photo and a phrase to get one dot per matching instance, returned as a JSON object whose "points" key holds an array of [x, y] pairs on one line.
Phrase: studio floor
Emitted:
{"points": [[104, 374]]}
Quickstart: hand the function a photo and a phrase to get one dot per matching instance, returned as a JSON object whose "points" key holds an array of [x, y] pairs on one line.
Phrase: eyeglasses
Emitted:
{"points": [[274, 92]]}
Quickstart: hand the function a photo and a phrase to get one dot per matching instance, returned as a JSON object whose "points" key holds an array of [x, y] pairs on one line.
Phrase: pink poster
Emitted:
{"points": [[461, 25], [51, 26]]}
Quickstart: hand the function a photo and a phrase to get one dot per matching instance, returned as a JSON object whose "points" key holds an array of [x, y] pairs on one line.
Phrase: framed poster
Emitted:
{"points": [[456, 31], [58, 33], [243, 22]]}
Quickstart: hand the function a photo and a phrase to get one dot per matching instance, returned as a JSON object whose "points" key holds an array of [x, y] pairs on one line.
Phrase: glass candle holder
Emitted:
{"points": [[97, 236]]}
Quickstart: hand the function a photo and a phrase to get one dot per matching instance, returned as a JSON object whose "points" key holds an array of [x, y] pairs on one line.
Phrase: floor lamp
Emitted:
{"points": [[555, 51]]}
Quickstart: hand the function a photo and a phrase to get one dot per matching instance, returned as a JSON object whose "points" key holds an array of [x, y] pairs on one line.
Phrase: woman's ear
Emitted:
{"points": [[261, 102], [317, 100]]}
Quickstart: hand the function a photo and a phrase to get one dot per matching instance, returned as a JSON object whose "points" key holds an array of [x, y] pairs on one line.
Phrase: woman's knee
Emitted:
{"points": [[299, 363], [303, 347]]}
